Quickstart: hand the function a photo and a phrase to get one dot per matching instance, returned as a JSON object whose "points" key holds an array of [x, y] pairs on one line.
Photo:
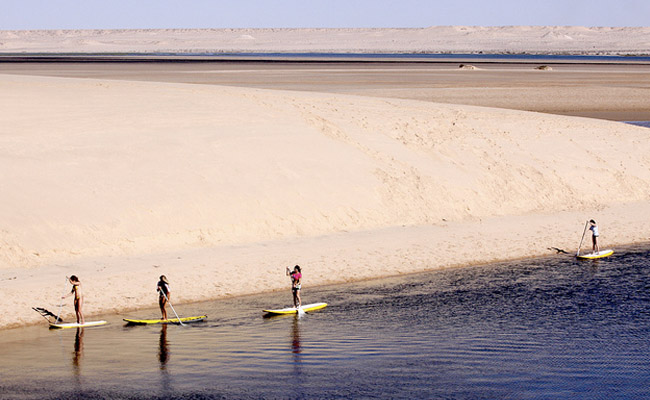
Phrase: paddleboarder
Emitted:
{"points": [[296, 282], [593, 227], [163, 295], [78, 298]]}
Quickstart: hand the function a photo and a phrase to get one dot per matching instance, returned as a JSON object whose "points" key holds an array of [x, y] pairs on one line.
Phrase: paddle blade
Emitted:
{"points": [[44, 312]]}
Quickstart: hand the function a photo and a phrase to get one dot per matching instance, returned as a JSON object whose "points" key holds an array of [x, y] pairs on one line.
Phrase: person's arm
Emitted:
{"points": [[71, 291], [288, 271]]}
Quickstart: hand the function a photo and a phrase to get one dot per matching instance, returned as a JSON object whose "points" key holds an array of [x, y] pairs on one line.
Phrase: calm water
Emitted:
{"points": [[537, 329], [645, 124], [428, 56], [556, 58]]}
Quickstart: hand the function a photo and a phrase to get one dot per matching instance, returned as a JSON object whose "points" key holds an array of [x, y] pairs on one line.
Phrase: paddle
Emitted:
{"points": [[45, 313], [61, 305], [170, 304], [583, 238]]}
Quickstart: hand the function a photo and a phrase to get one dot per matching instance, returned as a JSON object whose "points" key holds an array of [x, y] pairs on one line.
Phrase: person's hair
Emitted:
{"points": [[74, 278], [592, 221], [164, 278], [297, 267]]}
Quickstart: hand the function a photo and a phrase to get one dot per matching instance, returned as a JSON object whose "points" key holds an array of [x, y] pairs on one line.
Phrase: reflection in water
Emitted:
{"points": [[296, 348], [295, 338], [78, 351], [163, 351], [77, 354], [163, 358]]}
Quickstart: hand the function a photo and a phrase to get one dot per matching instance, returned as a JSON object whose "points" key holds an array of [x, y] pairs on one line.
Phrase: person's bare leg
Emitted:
{"points": [[163, 312], [78, 312]]}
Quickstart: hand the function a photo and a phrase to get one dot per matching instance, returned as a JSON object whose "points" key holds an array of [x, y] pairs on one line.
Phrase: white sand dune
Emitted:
{"points": [[220, 188], [437, 39]]}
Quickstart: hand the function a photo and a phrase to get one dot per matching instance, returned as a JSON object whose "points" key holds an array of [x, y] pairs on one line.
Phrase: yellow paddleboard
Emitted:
{"points": [[293, 310], [76, 325], [165, 321], [591, 256]]}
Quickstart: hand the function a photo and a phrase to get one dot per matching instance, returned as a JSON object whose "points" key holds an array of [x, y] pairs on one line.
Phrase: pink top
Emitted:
{"points": [[295, 277]]}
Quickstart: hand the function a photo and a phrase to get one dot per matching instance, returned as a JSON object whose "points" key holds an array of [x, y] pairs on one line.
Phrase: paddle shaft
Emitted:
{"points": [[583, 238], [61, 305], [172, 307]]}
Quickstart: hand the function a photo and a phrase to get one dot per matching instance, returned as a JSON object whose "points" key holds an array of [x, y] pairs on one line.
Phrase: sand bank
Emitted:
{"points": [[220, 188], [437, 39], [605, 91]]}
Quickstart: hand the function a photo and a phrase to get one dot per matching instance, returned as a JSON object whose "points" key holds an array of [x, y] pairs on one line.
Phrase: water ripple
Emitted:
{"points": [[543, 328]]}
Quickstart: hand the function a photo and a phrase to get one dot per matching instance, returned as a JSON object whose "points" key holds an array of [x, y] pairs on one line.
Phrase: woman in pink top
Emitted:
{"points": [[296, 281]]}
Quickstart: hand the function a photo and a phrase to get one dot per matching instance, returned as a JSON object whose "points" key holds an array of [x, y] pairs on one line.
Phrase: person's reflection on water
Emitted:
{"points": [[163, 358], [296, 346], [163, 351], [295, 336], [77, 354]]}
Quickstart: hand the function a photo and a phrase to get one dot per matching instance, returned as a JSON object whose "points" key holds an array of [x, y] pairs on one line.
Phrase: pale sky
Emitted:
{"points": [[148, 14]]}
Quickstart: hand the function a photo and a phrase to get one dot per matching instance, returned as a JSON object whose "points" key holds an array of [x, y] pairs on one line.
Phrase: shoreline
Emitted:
{"points": [[331, 58], [153, 307], [214, 273]]}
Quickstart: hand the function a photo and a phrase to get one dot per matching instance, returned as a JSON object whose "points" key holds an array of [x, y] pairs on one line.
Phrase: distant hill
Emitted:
{"points": [[438, 39]]}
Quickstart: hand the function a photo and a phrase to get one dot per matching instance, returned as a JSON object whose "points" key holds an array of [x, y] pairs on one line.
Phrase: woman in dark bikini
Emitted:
{"points": [[78, 298], [163, 295]]}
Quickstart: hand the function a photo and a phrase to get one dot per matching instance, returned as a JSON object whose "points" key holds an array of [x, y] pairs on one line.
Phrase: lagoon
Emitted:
{"points": [[551, 327]]}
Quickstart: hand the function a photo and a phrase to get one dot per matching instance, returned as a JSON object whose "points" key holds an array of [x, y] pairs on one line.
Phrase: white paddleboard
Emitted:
{"points": [[293, 310], [600, 254], [76, 325]]}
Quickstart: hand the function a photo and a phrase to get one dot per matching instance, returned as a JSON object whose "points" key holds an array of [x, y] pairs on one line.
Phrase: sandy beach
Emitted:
{"points": [[221, 175]]}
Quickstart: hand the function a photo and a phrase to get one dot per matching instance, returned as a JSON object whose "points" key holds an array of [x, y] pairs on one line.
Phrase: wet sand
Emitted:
{"points": [[598, 90]]}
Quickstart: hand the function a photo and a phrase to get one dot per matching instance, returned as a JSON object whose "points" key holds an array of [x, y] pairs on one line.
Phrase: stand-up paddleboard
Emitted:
{"points": [[591, 256], [165, 321], [293, 310], [69, 325]]}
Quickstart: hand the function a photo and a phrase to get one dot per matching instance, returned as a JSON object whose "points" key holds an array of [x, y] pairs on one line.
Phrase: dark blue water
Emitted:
{"points": [[645, 124], [425, 56], [536, 329], [557, 58]]}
